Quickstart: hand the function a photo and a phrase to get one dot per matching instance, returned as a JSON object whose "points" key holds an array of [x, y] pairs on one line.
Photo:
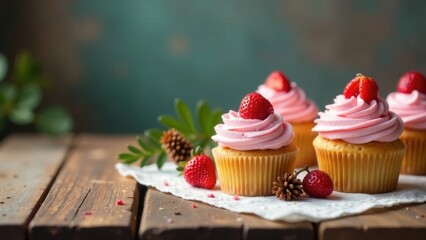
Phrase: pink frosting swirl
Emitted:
{"points": [[411, 107], [355, 121], [253, 134], [293, 105]]}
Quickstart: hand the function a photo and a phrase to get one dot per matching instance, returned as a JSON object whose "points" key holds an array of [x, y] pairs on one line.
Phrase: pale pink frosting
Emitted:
{"points": [[355, 121], [293, 105], [253, 134], [411, 107]]}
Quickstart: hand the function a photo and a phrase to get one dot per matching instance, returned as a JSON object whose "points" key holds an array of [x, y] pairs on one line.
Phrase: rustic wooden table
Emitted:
{"points": [[67, 189]]}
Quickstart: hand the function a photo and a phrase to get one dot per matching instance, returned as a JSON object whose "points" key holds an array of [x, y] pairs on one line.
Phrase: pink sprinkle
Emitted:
{"points": [[169, 220], [166, 183], [119, 202], [87, 213], [211, 195], [236, 198], [194, 206]]}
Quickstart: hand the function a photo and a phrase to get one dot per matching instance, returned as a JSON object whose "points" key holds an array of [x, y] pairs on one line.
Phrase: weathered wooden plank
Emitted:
{"points": [[28, 164], [82, 201], [256, 228], [168, 217], [407, 222]]}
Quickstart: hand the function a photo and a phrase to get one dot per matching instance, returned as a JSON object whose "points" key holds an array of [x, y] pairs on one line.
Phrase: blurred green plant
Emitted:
{"points": [[21, 96], [198, 130]]}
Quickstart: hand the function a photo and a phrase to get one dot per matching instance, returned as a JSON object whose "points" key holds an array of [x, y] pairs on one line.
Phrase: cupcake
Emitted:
{"points": [[254, 147], [358, 141], [409, 102], [290, 101]]}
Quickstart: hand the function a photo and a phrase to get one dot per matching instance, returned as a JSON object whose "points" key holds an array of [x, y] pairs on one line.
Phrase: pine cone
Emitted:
{"points": [[287, 187], [175, 145]]}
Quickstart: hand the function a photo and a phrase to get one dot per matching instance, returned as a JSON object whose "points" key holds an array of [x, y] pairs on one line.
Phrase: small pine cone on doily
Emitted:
{"points": [[287, 187], [176, 146]]}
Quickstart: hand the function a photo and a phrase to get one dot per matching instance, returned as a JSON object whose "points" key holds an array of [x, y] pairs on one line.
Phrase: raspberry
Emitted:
{"points": [[411, 81], [255, 106], [317, 184]]}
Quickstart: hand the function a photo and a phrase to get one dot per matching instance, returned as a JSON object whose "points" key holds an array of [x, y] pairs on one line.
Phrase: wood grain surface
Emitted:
{"points": [[168, 217], [68, 188], [400, 222], [82, 200], [256, 228], [28, 164]]}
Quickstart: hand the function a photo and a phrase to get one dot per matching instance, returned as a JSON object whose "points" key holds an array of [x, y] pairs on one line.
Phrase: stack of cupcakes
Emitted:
{"points": [[360, 140]]}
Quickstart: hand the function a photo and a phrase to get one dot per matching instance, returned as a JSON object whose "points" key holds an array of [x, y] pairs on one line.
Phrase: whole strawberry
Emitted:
{"points": [[278, 81], [317, 184], [199, 171], [363, 86], [411, 81], [255, 106]]}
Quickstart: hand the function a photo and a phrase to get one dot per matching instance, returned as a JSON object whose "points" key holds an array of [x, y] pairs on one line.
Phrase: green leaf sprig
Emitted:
{"points": [[20, 98], [198, 130], [147, 150]]}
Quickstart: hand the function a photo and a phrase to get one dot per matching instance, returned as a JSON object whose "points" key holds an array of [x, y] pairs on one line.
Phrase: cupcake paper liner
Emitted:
{"points": [[303, 140], [358, 171], [415, 157], [247, 175]]}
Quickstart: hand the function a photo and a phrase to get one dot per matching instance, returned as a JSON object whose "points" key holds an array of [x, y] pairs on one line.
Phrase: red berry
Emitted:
{"points": [[364, 86], [411, 81], [255, 106], [278, 81], [200, 172], [317, 184], [368, 89]]}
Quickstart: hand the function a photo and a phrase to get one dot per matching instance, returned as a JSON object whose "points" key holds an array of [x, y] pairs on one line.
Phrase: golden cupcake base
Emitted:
{"points": [[360, 168], [303, 140], [251, 173], [415, 158]]}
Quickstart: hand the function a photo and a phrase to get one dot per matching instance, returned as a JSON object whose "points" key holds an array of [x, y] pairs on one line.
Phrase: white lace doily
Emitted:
{"points": [[411, 189]]}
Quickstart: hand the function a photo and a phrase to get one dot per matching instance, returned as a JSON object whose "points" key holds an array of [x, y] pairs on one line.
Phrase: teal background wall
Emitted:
{"points": [[117, 65]]}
